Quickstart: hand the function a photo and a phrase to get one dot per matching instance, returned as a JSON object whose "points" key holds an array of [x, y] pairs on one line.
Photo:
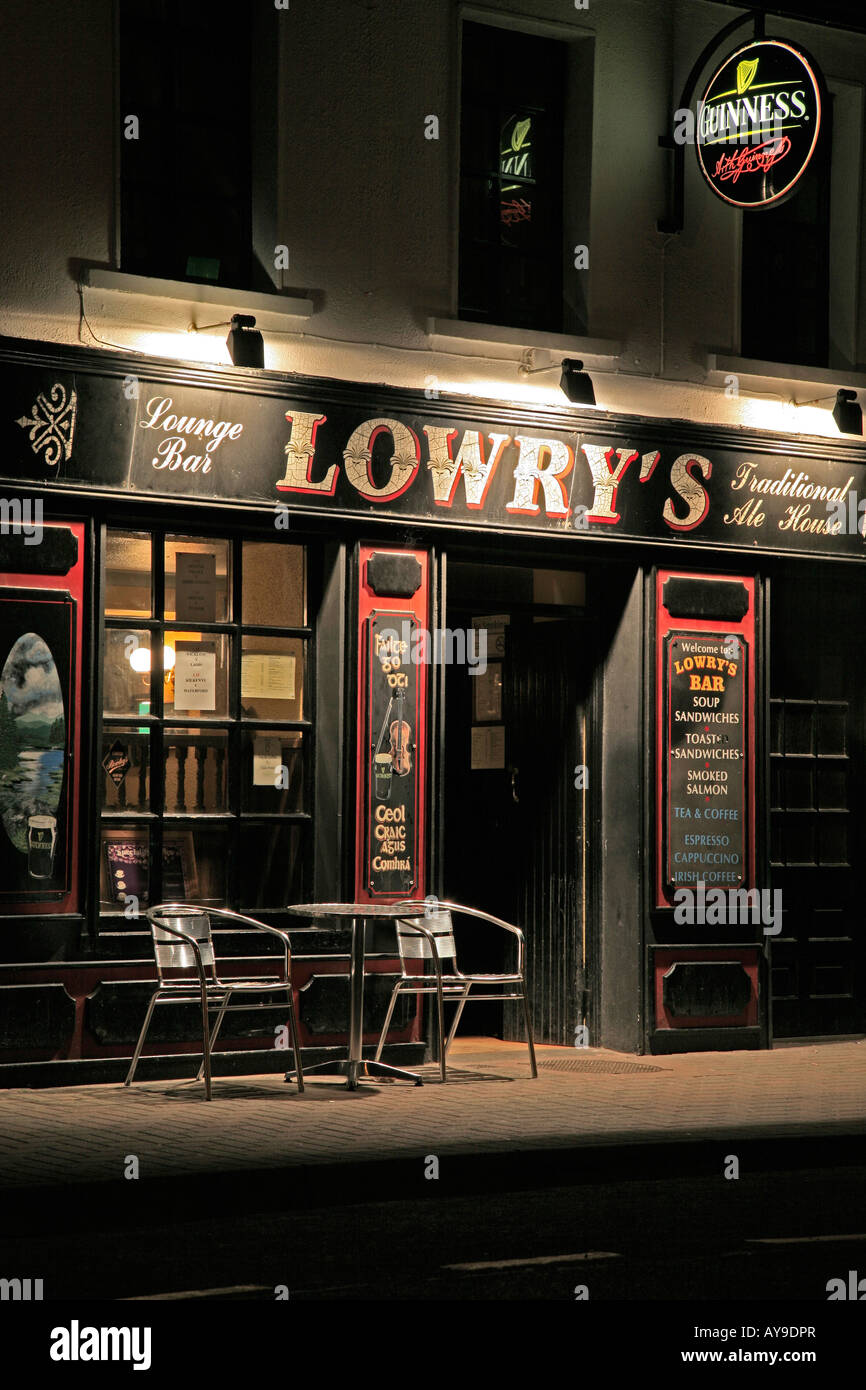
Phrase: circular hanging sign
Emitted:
{"points": [[758, 124]]}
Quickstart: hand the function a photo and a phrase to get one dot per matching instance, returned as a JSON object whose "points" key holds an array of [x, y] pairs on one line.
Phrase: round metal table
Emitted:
{"points": [[354, 1066]]}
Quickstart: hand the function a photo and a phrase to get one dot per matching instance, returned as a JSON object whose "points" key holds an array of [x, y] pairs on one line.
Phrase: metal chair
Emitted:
{"points": [[186, 969], [429, 936]]}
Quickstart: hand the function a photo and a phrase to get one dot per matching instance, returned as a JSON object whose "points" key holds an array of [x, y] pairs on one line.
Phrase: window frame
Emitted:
{"points": [[156, 819]]}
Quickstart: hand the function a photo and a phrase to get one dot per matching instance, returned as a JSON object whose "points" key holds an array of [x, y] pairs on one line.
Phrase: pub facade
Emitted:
{"points": [[395, 614]]}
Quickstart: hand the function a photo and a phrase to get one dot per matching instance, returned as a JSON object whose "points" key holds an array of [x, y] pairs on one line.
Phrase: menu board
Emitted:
{"points": [[705, 757]]}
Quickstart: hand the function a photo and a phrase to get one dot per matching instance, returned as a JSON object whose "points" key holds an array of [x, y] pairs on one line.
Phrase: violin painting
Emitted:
{"points": [[401, 758]]}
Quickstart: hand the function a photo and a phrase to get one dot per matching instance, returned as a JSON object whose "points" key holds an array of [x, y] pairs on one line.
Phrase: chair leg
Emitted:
{"points": [[528, 1021], [456, 1019], [216, 1028], [389, 1015], [141, 1037], [205, 1053], [440, 1013], [293, 1029]]}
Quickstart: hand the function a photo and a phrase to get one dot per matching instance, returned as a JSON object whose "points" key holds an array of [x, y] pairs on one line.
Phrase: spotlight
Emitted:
{"points": [[245, 344], [576, 383], [847, 413]]}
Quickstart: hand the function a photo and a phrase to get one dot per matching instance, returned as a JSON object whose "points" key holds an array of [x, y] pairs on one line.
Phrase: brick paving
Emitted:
{"points": [[63, 1135]]}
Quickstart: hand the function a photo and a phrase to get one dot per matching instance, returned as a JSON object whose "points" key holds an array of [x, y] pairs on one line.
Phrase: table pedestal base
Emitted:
{"points": [[354, 1071]]}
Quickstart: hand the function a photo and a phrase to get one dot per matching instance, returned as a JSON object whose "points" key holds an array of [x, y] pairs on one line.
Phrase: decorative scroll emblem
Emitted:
{"points": [[52, 424]]}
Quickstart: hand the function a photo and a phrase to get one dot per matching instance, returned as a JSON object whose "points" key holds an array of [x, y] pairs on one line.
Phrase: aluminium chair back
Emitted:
{"points": [[413, 945], [175, 959]]}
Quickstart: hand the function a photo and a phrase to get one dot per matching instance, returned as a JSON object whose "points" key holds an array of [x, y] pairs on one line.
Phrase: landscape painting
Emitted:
{"points": [[34, 737]]}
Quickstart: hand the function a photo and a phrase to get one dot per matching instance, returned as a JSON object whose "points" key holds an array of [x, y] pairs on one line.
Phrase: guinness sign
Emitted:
{"points": [[758, 124]]}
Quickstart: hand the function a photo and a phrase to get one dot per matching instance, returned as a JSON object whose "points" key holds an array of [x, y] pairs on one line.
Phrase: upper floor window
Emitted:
{"points": [[186, 176], [511, 179], [786, 269]]}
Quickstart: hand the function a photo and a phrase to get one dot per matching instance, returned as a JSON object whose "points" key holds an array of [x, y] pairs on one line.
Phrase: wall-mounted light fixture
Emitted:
{"points": [[847, 413], [244, 342], [575, 383]]}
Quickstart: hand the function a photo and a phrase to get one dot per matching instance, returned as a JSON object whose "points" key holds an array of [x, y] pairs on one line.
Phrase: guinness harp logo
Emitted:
{"points": [[519, 133], [746, 75]]}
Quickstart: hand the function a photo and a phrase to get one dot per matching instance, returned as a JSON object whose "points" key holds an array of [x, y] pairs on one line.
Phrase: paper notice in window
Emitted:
{"points": [[194, 678], [195, 591], [267, 677], [488, 747], [494, 624], [267, 761]]}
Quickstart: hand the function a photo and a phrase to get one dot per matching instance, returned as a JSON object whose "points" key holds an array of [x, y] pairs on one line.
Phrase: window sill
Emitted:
{"points": [[443, 332], [271, 310], [775, 376]]}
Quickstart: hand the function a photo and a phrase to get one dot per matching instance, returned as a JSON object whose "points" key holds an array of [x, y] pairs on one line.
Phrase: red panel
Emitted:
{"points": [[664, 959], [73, 584], [417, 609]]}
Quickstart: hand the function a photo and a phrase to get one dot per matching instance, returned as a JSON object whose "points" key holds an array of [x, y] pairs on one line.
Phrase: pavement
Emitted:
{"points": [[585, 1106]]}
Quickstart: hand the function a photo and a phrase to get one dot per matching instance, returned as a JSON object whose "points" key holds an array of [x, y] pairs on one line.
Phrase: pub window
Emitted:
{"points": [[513, 122], [206, 731], [185, 157]]}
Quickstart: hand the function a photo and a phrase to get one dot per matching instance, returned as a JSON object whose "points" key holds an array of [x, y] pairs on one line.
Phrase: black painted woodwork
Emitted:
{"points": [[56, 553], [706, 989], [323, 1004], [115, 1011], [39, 1017], [722, 599], [393, 576]]}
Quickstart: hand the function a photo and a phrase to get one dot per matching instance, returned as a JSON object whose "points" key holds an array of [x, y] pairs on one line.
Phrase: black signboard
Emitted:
{"points": [[758, 124], [392, 714], [337, 449], [705, 753]]}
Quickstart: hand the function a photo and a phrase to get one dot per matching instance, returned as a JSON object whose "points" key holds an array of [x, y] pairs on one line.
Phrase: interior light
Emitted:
{"points": [[139, 660]]}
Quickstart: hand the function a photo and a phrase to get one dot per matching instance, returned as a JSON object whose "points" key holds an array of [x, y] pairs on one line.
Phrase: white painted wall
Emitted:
{"points": [[368, 207]]}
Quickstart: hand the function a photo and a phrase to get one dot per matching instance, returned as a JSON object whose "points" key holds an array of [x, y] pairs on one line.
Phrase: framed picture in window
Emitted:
{"points": [[179, 871], [127, 864], [127, 861]]}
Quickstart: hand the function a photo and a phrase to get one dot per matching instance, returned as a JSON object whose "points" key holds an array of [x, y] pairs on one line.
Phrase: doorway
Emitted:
{"points": [[516, 786], [818, 804]]}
